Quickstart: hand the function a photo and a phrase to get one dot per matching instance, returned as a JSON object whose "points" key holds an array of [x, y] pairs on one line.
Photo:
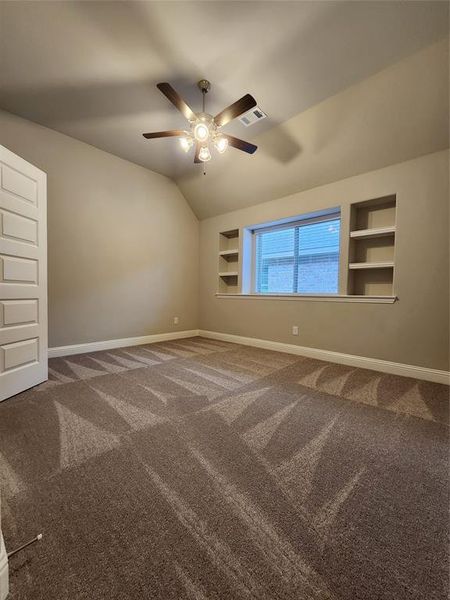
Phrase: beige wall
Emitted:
{"points": [[398, 114], [414, 330], [123, 256], [122, 241]]}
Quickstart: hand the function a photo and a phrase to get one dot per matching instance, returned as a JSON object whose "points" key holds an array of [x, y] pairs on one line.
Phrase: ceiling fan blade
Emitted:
{"points": [[240, 144], [235, 110], [176, 100], [161, 134], [197, 150]]}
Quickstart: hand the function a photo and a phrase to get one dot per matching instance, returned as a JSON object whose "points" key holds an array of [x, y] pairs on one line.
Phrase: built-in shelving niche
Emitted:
{"points": [[228, 265], [372, 247]]}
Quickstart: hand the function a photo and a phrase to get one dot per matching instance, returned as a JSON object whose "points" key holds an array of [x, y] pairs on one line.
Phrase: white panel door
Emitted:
{"points": [[23, 275]]}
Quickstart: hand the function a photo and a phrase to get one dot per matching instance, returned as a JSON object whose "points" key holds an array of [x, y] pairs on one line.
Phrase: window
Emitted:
{"points": [[298, 258]]}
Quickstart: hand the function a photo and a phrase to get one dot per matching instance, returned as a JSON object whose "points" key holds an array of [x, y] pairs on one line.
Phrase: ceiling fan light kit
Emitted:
{"points": [[221, 143], [186, 142], [204, 128], [204, 154]]}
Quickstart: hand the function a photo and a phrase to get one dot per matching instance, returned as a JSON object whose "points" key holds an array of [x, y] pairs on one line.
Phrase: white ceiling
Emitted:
{"points": [[89, 69]]}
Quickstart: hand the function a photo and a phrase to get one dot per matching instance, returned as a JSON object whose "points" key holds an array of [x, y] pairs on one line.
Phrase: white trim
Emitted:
{"points": [[121, 343], [361, 234], [351, 360], [314, 297], [373, 265], [322, 214], [4, 585], [363, 362]]}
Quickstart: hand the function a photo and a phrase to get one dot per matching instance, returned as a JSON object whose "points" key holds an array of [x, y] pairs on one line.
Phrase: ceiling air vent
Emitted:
{"points": [[252, 116]]}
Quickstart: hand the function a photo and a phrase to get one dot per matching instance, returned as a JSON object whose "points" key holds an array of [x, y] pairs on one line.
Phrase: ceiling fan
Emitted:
{"points": [[204, 128]]}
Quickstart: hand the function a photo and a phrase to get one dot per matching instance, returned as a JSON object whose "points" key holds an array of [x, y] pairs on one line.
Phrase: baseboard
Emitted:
{"points": [[351, 360], [363, 362], [121, 343]]}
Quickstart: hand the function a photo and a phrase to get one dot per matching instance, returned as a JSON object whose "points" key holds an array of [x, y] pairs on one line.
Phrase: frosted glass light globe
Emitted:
{"points": [[221, 144], [186, 143], [201, 132], [204, 154]]}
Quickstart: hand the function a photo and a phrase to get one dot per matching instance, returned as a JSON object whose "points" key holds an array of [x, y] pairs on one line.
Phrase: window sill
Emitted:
{"points": [[314, 298]]}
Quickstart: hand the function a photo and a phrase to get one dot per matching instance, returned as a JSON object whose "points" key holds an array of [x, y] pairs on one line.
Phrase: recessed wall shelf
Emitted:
{"points": [[228, 267], [373, 265], [231, 234], [373, 233], [371, 254]]}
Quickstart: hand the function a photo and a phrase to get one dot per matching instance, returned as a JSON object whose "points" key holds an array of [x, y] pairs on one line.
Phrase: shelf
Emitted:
{"points": [[371, 249], [232, 233], [228, 262], [372, 233], [373, 265], [368, 299]]}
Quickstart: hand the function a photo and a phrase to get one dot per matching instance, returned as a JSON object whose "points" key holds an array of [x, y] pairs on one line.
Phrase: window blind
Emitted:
{"points": [[299, 258]]}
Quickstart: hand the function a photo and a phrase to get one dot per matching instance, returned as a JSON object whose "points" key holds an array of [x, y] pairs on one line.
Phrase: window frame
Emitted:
{"points": [[299, 221]]}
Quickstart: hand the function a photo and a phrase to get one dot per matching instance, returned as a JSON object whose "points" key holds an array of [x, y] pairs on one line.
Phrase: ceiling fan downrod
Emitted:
{"points": [[204, 86]]}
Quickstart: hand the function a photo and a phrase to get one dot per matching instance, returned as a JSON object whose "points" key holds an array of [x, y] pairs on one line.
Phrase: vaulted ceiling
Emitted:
{"points": [[89, 69]]}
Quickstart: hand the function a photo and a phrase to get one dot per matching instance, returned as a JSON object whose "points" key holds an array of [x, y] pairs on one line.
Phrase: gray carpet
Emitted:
{"points": [[199, 469]]}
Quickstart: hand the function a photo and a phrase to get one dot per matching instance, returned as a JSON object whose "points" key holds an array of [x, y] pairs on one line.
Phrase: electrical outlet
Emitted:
{"points": [[176, 320], [294, 329]]}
